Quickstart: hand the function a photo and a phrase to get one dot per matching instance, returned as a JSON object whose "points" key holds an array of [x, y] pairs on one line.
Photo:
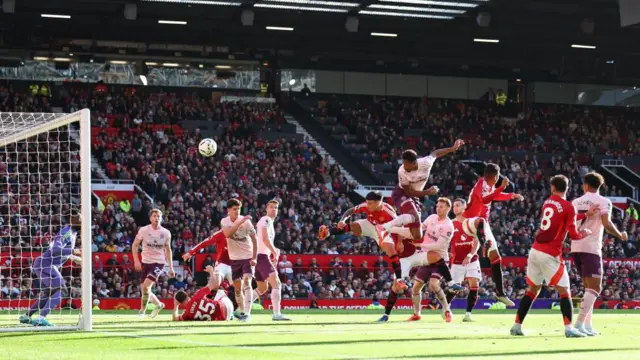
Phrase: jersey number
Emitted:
{"points": [[205, 307], [547, 214]]}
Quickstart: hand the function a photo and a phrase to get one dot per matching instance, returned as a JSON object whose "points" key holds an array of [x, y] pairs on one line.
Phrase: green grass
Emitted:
{"points": [[328, 335]]}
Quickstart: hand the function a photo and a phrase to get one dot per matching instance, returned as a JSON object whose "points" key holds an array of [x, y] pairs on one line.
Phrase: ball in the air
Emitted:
{"points": [[207, 147]]}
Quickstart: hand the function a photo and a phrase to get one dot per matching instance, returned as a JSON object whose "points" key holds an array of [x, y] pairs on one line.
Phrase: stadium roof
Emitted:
{"points": [[422, 35]]}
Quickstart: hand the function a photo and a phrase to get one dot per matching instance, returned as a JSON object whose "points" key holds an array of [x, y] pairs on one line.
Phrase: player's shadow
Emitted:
{"points": [[109, 327], [422, 356], [329, 342], [502, 353], [35, 333]]}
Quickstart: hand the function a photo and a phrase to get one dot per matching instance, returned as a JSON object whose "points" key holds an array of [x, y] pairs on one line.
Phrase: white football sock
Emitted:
{"points": [[256, 294], [417, 303], [401, 220], [588, 300], [275, 301], [248, 299], [442, 299], [402, 231], [240, 301], [154, 299]]}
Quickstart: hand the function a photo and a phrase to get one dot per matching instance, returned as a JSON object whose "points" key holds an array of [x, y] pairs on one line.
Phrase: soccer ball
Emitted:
{"points": [[207, 147]]}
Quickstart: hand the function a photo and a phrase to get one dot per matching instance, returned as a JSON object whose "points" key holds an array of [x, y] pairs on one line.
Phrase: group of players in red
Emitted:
{"points": [[411, 245], [423, 249]]}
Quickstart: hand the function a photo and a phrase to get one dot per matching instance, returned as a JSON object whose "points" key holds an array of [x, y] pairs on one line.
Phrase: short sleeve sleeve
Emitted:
{"points": [[140, 234], [251, 229], [605, 207], [425, 224], [359, 209], [426, 162]]}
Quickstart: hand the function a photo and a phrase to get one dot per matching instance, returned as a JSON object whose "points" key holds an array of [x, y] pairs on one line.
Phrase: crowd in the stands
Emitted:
{"points": [[192, 190]]}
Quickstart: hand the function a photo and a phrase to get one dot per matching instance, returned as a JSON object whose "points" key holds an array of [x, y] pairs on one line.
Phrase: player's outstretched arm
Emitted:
{"points": [[444, 151], [58, 248], [495, 195], [325, 231], [611, 228], [347, 214], [201, 245]]}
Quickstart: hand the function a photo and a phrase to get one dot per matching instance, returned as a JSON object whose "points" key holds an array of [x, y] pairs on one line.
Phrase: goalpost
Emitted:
{"points": [[45, 173]]}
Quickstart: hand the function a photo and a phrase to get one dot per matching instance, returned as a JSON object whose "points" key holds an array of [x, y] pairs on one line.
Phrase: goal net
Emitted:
{"points": [[45, 221]]}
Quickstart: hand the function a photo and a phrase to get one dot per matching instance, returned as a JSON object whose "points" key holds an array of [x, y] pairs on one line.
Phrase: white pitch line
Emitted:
{"points": [[202, 343]]}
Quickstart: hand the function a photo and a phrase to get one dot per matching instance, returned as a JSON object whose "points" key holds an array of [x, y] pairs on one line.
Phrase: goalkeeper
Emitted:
{"points": [[46, 268]]}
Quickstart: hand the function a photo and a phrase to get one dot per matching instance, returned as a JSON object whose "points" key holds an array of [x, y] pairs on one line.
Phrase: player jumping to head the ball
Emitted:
{"points": [[413, 175], [377, 212], [477, 221]]}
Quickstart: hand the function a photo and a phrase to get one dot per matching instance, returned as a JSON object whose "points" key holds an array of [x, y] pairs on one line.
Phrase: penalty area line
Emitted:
{"points": [[210, 344]]}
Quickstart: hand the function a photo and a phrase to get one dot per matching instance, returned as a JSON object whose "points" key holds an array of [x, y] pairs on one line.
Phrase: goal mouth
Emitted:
{"points": [[45, 175]]}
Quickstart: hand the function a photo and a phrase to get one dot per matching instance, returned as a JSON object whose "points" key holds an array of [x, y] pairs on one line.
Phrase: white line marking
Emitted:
{"points": [[306, 354]]}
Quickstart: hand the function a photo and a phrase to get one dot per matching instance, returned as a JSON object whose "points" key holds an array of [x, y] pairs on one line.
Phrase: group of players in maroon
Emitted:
{"points": [[422, 249]]}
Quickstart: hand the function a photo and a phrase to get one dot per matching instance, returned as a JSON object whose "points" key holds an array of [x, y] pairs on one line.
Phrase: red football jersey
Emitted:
{"points": [[558, 218], [200, 307], [378, 217], [480, 199], [220, 241], [461, 244]]}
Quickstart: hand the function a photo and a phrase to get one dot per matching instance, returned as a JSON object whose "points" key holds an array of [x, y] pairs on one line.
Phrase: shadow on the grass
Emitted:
{"points": [[35, 333], [328, 342], [502, 354], [422, 356], [106, 326]]}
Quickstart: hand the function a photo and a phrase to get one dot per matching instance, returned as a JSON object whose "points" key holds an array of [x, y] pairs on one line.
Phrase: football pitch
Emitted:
{"points": [[329, 334]]}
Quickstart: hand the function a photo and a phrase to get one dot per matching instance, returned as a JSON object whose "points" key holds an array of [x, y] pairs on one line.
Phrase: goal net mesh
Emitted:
{"points": [[40, 182]]}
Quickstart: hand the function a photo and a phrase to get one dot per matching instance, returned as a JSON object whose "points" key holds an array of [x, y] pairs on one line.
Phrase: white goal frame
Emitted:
{"points": [[83, 117]]}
